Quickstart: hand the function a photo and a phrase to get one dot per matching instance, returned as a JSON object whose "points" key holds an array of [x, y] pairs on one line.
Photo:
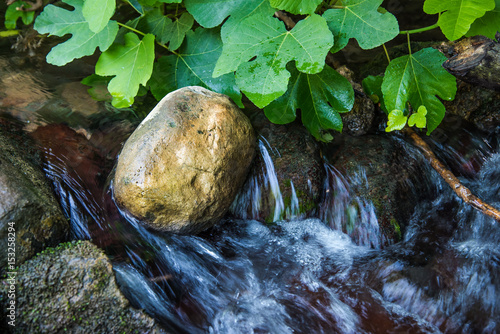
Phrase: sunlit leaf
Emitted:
{"points": [[360, 19], [396, 120], [59, 22], [192, 66], [418, 118], [98, 13], [296, 6], [131, 64], [487, 25], [265, 78], [419, 79], [320, 97], [457, 15]]}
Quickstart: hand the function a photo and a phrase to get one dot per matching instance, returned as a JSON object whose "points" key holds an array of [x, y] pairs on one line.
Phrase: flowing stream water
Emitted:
{"points": [[305, 275]]}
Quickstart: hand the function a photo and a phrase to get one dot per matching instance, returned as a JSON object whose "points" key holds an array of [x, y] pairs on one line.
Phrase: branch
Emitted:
{"points": [[462, 191], [290, 23], [31, 6]]}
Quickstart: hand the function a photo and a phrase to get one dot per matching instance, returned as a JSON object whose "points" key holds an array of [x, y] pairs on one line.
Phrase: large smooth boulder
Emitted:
{"points": [[184, 164], [29, 212], [70, 289]]}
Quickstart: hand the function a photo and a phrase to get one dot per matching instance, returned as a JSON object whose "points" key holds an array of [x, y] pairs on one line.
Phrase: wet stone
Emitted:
{"points": [[184, 178], [72, 289]]}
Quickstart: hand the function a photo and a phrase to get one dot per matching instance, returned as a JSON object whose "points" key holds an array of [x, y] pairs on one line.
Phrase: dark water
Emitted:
{"points": [[302, 275]]}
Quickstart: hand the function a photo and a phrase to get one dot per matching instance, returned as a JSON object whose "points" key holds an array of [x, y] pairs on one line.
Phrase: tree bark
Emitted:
{"points": [[455, 184]]}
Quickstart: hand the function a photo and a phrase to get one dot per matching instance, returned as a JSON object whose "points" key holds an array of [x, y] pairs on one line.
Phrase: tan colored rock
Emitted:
{"points": [[182, 167]]}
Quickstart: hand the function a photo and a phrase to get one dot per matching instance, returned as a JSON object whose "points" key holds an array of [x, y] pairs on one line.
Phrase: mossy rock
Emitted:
{"points": [[72, 289], [27, 203]]}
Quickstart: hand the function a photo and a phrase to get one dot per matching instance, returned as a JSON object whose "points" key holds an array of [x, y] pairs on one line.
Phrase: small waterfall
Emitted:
{"points": [[302, 276], [261, 197], [346, 212]]}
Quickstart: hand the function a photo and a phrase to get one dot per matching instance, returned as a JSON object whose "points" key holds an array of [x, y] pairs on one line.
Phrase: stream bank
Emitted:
{"points": [[302, 275]]}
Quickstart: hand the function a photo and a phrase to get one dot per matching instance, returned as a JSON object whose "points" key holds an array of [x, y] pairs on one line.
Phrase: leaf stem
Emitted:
{"points": [[131, 29], [386, 53], [415, 31], [409, 45], [8, 33], [143, 34]]}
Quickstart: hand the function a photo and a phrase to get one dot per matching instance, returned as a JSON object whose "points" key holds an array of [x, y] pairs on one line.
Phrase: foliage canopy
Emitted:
{"points": [[241, 46]]}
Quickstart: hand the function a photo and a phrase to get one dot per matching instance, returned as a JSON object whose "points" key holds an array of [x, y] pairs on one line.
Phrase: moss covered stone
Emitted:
{"points": [[72, 289], [27, 203]]}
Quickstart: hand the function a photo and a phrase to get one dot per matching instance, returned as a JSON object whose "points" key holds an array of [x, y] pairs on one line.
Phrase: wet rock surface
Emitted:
{"points": [[72, 289], [182, 167], [27, 203], [475, 60], [476, 104]]}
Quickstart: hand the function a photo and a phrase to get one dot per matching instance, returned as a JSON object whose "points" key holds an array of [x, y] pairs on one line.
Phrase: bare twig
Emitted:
{"points": [[160, 278], [455, 184], [289, 22], [31, 6]]}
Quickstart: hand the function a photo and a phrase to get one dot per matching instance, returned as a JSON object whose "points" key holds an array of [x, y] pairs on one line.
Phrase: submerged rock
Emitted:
{"points": [[28, 208], [182, 167], [72, 289]]}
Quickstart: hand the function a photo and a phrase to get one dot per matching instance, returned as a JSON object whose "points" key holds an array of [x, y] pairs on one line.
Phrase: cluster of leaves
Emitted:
{"points": [[239, 46]]}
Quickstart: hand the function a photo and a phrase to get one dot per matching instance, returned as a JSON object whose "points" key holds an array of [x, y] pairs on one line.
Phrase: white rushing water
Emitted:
{"points": [[263, 189], [325, 275]]}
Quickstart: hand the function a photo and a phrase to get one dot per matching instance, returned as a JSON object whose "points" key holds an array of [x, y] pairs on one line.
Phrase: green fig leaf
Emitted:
{"points": [[98, 13], [265, 78], [361, 19], [130, 64], [193, 65], [487, 25], [211, 13], [12, 15], [457, 15], [299, 7], [83, 42], [419, 79], [320, 97], [166, 30], [396, 120], [418, 118]]}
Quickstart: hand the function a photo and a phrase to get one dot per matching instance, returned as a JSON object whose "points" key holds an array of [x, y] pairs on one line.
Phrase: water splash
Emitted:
{"points": [[261, 197], [344, 211], [301, 275]]}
